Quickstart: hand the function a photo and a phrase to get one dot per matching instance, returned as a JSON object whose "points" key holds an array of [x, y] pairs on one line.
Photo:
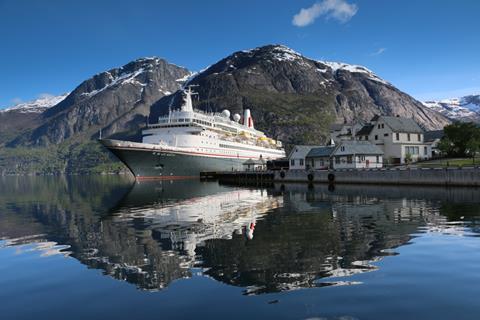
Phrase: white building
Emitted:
{"points": [[348, 154], [345, 131], [297, 156], [399, 138], [254, 165], [320, 158], [357, 155]]}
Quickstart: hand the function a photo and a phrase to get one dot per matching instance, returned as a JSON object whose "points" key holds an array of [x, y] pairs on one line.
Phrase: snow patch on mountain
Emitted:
{"points": [[335, 66], [283, 53], [186, 79], [38, 105], [464, 108], [119, 80]]}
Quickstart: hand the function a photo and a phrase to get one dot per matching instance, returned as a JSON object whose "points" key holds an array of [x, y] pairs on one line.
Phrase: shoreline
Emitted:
{"points": [[466, 177]]}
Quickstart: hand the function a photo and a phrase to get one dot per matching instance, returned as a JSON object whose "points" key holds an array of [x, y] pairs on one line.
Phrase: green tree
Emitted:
{"points": [[461, 139], [408, 158]]}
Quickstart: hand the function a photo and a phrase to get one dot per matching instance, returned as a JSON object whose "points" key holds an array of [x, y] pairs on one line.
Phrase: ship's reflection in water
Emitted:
{"points": [[271, 239], [170, 221]]}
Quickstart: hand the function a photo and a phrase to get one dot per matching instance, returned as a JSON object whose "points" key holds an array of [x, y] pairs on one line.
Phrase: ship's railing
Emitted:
{"points": [[178, 116]]}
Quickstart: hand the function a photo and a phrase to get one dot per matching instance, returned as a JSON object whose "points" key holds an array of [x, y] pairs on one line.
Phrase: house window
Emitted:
{"points": [[366, 137], [385, 134], [376, 137], [425, 151], [337, 160], [292, 162], [412, 150], [301, 162], [408, 136], [419, 137], [378, 126], [342, 148], [378, 159], [349, 159], [383, 126], [398, 136]]}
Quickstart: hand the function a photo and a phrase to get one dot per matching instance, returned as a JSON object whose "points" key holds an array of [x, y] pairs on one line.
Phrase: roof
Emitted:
{"points": [[399, 124], [357, 147], [321, 152], [340, 126], [431, 136], [365, 131], [252, 161], [300, 151]]}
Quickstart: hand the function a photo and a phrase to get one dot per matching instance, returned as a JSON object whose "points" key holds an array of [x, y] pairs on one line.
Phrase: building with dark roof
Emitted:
{"points": [[348, 154], [345, 131], [254, 164], [297, 156], [401, 139], [319, 158]]}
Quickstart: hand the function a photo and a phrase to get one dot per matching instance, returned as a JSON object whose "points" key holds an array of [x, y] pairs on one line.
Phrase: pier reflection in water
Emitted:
{"points": [[260, 240]]}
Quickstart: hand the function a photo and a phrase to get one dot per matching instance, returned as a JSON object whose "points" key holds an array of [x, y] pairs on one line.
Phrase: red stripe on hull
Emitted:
{"points": [[192, 153]]}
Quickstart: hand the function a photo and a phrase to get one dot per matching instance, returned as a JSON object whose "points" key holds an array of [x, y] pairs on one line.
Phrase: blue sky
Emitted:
{"points": [[428, 48]]}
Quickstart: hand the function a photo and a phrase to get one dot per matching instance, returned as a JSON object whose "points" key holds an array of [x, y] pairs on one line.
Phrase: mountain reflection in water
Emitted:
{"points": [[262, 239]]}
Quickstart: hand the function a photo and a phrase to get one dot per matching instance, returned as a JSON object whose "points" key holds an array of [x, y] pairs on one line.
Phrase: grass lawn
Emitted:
{"points": [[452, 162]]}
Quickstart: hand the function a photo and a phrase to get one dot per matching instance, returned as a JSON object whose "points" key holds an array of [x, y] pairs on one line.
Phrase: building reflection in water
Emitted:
{"points": [[265, 240]]}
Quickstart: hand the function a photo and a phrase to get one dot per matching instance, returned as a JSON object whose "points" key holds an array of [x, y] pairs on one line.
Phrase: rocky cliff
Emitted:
{"points": [[115, 100], [295, 98], [24, 116], [62, 137]]}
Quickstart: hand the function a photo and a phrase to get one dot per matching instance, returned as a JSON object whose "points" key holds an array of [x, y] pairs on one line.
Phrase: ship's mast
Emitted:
{"points": [[187, 100]]}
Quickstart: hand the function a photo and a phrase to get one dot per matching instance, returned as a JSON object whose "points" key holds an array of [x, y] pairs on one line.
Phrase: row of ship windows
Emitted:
{"points": [[206, 123], [217, 151]]}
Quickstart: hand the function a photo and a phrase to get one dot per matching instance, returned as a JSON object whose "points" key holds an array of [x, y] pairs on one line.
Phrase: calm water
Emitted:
{"points": [[105, 247]]}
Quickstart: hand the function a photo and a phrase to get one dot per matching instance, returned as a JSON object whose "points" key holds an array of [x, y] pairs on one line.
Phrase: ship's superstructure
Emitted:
{"points": [[186, 142]]}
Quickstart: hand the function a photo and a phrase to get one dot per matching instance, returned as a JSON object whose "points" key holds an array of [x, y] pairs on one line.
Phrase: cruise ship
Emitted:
{"points": [[186, 142]]}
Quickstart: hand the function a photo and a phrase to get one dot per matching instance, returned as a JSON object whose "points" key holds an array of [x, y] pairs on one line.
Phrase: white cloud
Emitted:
{"points": [[378, 52], [339, 10]]}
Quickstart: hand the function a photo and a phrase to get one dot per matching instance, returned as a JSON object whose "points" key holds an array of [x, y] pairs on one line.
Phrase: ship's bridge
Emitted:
{"points": [[186, 116], [179, 118]]}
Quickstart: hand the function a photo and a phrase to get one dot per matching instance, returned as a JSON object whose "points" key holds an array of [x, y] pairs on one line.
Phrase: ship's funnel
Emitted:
{"points": [[247, 118]]}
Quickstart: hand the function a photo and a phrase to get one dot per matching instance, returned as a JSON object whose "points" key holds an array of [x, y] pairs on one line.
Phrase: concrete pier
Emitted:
{"points": [[406, 176]]}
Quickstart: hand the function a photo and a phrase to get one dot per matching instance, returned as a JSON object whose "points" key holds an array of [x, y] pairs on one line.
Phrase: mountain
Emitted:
{"points": [[465, 108], [115, 100], [26, 115], [36, 106], [294, 98], [62, 137]]}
